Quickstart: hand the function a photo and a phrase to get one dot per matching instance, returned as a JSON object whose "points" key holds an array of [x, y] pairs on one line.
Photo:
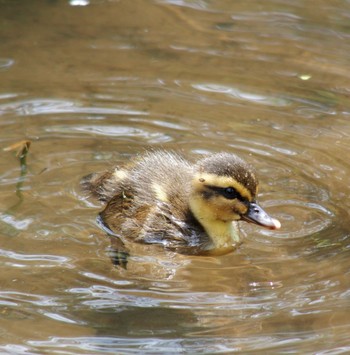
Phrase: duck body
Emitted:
{"points": [[161, 198]]}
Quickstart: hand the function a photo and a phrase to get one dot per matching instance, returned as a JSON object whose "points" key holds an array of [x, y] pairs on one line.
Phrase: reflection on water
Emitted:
{"points": [[241, 95], [91, 83]]}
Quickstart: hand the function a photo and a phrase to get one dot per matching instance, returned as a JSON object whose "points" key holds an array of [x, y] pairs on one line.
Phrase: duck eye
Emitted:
{"points": [[230, 193]]}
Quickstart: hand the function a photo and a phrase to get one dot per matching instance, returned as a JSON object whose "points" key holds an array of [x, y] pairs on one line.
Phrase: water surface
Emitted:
{"points": [[92, 83]]}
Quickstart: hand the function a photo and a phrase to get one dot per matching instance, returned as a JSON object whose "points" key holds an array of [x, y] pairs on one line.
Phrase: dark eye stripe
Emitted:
{"points": [[228, 192]]}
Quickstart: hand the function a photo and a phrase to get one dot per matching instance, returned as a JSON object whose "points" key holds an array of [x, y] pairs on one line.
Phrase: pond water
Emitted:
{"points": [[91, 83]]}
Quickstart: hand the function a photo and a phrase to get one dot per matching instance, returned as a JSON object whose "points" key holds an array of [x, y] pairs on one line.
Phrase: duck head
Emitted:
{"points": [[223, 190]]}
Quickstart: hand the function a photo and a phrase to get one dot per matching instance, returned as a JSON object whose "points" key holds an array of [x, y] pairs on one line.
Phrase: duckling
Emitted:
{"points": [[161, 198]]}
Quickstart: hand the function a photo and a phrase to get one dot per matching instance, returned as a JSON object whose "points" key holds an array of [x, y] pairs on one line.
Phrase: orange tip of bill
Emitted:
{"points": [[277, 223]]}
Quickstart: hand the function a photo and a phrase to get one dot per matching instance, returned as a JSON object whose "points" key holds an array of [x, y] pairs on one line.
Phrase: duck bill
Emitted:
{"points": [[257, 215]]}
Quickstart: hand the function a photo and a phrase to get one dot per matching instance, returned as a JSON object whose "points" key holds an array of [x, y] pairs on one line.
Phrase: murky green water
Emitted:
{"points": [[91, 83]]}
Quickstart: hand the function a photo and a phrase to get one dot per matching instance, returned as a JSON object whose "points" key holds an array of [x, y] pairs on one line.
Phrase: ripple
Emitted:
{"points": [[95, 276], [59, 317], [47, 106], [8, 96], [104, 297], [103, 130], [196, 5], [79, 2], [38, 260], [6, 63], [300, 219], [18, 298], [242, 95], [269, 343], [110, 131], [19, 224]]}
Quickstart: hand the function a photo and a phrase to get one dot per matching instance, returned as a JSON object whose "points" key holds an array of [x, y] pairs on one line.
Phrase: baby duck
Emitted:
{"points": [[160, 198]]}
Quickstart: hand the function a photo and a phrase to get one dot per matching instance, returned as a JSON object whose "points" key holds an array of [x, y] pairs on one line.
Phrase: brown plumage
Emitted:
{"points": [[160, 198]]}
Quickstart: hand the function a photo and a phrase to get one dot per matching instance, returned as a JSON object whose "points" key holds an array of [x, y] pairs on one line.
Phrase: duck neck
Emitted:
{"points": [[222, 234]]}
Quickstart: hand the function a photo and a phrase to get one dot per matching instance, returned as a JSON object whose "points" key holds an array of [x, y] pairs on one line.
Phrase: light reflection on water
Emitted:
{"points": [[45, 106], [241, 95], [5, 63], [193, 76]]}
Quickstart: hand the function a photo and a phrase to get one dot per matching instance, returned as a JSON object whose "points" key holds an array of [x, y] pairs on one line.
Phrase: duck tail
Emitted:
{"points": [[98, 185]]}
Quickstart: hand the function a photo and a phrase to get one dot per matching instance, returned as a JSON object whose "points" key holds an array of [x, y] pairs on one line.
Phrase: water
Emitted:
{"points": [[91, 83]]}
